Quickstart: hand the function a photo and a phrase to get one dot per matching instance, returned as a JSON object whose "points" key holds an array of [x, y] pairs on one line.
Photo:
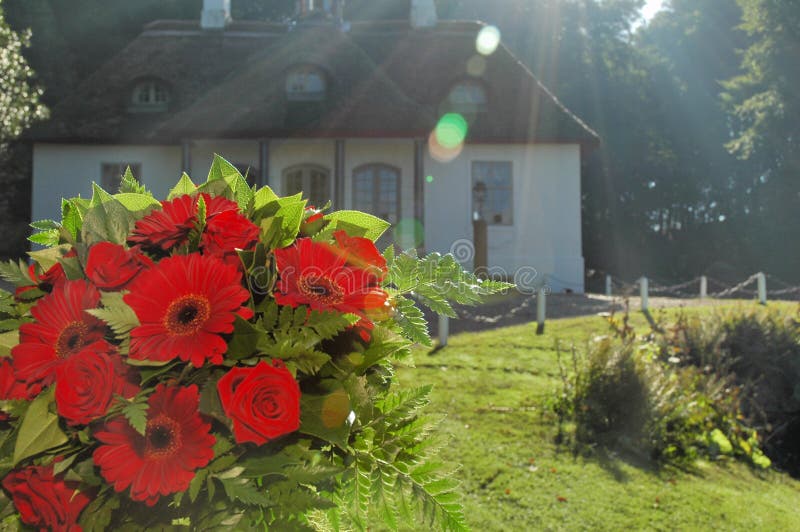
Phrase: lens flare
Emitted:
{"points": [[488, 40], [476, 66], [451, 130], [409, 233]]}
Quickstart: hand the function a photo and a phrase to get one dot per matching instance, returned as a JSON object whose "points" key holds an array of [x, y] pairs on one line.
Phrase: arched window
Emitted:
{"points": [[310, 179], [305, 83], [467, 97], [150, 96], [376, 190]]}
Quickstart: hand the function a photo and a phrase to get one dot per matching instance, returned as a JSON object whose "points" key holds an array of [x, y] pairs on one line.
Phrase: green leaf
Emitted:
{"points": [[136, 414], [222, 169], [245, 340], [47, 258], [243, 490], [15, 273], [411, 321], [196, 484], [97, 515], [135, 202], [99, 196], [39, 430], [373, 226], [325, 416], [129, 184], [120, 317], [184, 186], [46, 238], [7, 341], [71, 218], [263, 197], [107, 221]]}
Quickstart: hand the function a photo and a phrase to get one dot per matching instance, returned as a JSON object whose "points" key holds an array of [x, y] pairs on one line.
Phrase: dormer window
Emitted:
{"points": [[305, 83], [150, 96], [467, 97]]}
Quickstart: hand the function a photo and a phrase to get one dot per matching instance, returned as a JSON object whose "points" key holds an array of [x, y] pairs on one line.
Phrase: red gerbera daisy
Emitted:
{"points": [[184, 303], [62, 328], [317, 274], [164, 229], [176, 442]]}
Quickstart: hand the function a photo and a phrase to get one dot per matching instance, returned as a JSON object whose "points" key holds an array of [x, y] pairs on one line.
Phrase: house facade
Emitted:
{"points": [[428, 124]]}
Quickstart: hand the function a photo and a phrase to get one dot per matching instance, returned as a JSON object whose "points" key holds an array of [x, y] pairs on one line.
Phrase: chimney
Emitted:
{"points": [[423, 14], [216, 14]]}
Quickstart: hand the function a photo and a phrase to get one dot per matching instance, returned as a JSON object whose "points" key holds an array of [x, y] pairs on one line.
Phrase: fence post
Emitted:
{"points": [[762, 288], [703, 287], [444, 330], [541, 306], [608, 285], [643, 293]]}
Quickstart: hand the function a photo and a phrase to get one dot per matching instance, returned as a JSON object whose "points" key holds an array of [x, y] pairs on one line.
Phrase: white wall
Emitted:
{"points": [[546, 230], [65, 171]]}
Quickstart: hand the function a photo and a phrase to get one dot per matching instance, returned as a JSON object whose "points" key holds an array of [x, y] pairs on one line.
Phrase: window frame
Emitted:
{"points": [[153, 88], [487, 201], [376, 166], [107, 171], [305, 95], [305, 177]]}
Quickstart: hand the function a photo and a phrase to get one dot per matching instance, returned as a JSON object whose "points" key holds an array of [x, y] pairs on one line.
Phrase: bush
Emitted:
{"points": [[626, 393], [759, 352]]}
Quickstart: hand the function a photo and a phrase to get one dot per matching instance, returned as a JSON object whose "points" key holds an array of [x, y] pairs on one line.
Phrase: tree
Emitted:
{"points": [[764, 107], [19, 96]]}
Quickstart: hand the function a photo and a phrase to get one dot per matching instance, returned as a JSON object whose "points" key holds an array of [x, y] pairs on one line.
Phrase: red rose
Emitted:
{"points": [[87, 382], [263, 401], [45, 501], [112, 267], [225, 233]]}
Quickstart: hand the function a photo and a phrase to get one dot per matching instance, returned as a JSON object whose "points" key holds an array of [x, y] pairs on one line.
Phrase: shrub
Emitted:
{"points": [[625, 393], [759, 352]]}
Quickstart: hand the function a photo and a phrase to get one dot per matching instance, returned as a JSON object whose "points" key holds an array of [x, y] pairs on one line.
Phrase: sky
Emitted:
{"points": [[650, 8]]}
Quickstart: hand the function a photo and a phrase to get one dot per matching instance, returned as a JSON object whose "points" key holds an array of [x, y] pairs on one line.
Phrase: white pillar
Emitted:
{"points": [[608, 285], [703, 287], [643, 293], [444, 329], [762, 288]]}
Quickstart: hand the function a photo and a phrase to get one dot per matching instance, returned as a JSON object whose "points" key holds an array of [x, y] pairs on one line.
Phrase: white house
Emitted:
{"points": [[426, 123]]}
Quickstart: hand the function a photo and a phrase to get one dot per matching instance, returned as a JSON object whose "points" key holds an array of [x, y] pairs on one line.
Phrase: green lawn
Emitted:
{"points": [[493, 387]]}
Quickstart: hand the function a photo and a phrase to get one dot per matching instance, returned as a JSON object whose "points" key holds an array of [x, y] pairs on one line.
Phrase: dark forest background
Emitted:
{"points": [[698, 110]]}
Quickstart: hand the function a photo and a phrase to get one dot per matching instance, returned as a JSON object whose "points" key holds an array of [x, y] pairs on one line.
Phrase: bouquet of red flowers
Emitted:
{"points": [[220, 359]]}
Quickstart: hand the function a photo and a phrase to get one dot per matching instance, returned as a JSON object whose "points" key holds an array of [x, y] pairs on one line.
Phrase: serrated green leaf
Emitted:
{"points": [[15, 273], [243, 490], [411, 321], [246, 340], [46, 238], [99, 196], [136, 202], [373, 226], [39, 430], [184, 186], [71, 218], [136, 414], [107, 221], [129, 184]]}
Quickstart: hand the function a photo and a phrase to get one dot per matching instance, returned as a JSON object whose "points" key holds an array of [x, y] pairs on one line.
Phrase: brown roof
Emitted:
{"points": [[384, 79]]}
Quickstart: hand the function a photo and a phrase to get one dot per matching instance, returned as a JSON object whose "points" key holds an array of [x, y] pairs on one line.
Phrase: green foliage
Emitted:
{"points": [[436, 281], [633, 392], [20, 105], [392, 467], [39, 430]]}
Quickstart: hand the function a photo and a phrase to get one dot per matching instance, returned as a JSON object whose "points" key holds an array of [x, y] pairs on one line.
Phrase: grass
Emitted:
{"points": [[494, 387]]}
